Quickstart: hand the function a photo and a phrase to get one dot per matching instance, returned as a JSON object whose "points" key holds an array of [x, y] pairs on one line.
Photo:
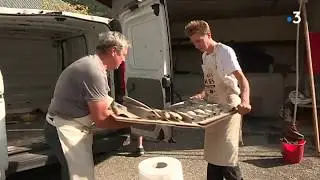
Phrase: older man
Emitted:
{"points": [[222, 74], [80, 100]]}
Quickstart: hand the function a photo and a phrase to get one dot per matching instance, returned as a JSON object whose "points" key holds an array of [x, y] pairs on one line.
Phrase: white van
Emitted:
{"points": [[35, 46]]}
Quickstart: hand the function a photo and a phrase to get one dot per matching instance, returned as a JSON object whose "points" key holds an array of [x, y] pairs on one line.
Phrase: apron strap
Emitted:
{"points": [[50, 120]]}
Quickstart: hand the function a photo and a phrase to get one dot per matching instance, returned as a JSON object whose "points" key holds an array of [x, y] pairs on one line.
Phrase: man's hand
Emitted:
{"points": [[103, 116], [111, 117], [244, 108]]}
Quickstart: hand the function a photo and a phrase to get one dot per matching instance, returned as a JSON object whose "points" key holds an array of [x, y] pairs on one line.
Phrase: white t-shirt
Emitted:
{"points": [[226, 63]]}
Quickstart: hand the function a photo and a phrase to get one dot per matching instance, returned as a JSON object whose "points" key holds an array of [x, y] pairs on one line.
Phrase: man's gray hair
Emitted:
{"points": [[112, 39]]}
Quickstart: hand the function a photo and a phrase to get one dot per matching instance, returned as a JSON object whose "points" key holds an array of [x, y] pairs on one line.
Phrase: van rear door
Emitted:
{"points": [[148, 69], [3, 136]]}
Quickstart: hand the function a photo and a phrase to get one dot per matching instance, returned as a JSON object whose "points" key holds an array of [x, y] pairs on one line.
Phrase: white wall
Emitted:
{"points": [[284, 54], [266, 93], [189, 59], [245, 29], [242, 30]]}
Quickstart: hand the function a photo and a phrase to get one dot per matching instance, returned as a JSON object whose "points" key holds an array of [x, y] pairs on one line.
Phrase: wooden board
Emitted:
{"points": [[157, 122], [202, 123]]}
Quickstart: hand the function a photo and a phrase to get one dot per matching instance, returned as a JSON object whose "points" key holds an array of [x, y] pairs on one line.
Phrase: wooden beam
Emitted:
{"points": [[314, 104]]}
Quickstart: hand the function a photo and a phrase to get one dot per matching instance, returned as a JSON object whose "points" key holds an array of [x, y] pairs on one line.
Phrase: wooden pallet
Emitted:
{"points": [[157, 122], [201, 124]]}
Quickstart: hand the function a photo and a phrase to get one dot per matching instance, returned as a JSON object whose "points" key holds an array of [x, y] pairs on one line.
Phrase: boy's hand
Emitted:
{"points": [[198, 96], [244, 108]]}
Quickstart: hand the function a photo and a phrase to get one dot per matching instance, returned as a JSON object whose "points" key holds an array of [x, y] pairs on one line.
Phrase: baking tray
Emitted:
{"points": [[200, 122]]}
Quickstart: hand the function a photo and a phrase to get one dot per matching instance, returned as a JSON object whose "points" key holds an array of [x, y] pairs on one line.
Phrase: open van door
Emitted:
{"points": [[3, 136], [148, 67]]}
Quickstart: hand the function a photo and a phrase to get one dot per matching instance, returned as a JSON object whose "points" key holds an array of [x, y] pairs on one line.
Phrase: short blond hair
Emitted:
{"points": [[197, 26]]}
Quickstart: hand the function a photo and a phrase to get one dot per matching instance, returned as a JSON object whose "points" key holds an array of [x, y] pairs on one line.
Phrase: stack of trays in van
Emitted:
{"points": [[190, 113]]}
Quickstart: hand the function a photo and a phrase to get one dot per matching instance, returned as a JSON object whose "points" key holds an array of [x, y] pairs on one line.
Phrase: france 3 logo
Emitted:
{"points": [[295, 19]]}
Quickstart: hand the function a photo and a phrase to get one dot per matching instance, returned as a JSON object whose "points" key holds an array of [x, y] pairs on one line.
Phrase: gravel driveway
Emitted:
{"points": [[258, 161]]}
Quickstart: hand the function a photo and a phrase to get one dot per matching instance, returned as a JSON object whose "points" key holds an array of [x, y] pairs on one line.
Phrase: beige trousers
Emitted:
{"points": [[76, 142]]}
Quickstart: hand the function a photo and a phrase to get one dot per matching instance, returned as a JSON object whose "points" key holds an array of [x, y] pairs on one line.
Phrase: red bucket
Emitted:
{"points": [[293, 153]]}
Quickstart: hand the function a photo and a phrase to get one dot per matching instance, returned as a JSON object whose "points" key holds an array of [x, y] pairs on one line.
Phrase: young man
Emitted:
{"points": [[222, 75], [80, 99]]}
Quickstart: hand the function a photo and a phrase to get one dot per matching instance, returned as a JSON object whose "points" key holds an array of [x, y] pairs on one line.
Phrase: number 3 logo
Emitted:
{"points": [[297, 17]]}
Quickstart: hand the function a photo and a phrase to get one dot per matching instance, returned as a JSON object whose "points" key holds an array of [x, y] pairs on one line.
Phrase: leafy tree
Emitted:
{"points": [[89, 7]]}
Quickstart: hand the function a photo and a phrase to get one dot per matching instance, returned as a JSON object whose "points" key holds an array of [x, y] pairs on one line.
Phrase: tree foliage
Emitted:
{"points": [[88, 7], [94, 7]]}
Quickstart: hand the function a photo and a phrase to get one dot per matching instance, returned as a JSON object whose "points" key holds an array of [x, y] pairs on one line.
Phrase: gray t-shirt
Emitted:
{"points": [[82, 81]]}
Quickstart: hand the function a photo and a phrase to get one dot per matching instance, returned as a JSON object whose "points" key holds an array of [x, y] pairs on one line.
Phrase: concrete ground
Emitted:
{"points": [[260, 158], [257, 160]]}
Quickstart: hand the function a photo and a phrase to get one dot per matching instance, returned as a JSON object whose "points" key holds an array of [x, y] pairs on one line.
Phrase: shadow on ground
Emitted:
{"points": [[266, 163], [186, 139], [256, 132]]}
